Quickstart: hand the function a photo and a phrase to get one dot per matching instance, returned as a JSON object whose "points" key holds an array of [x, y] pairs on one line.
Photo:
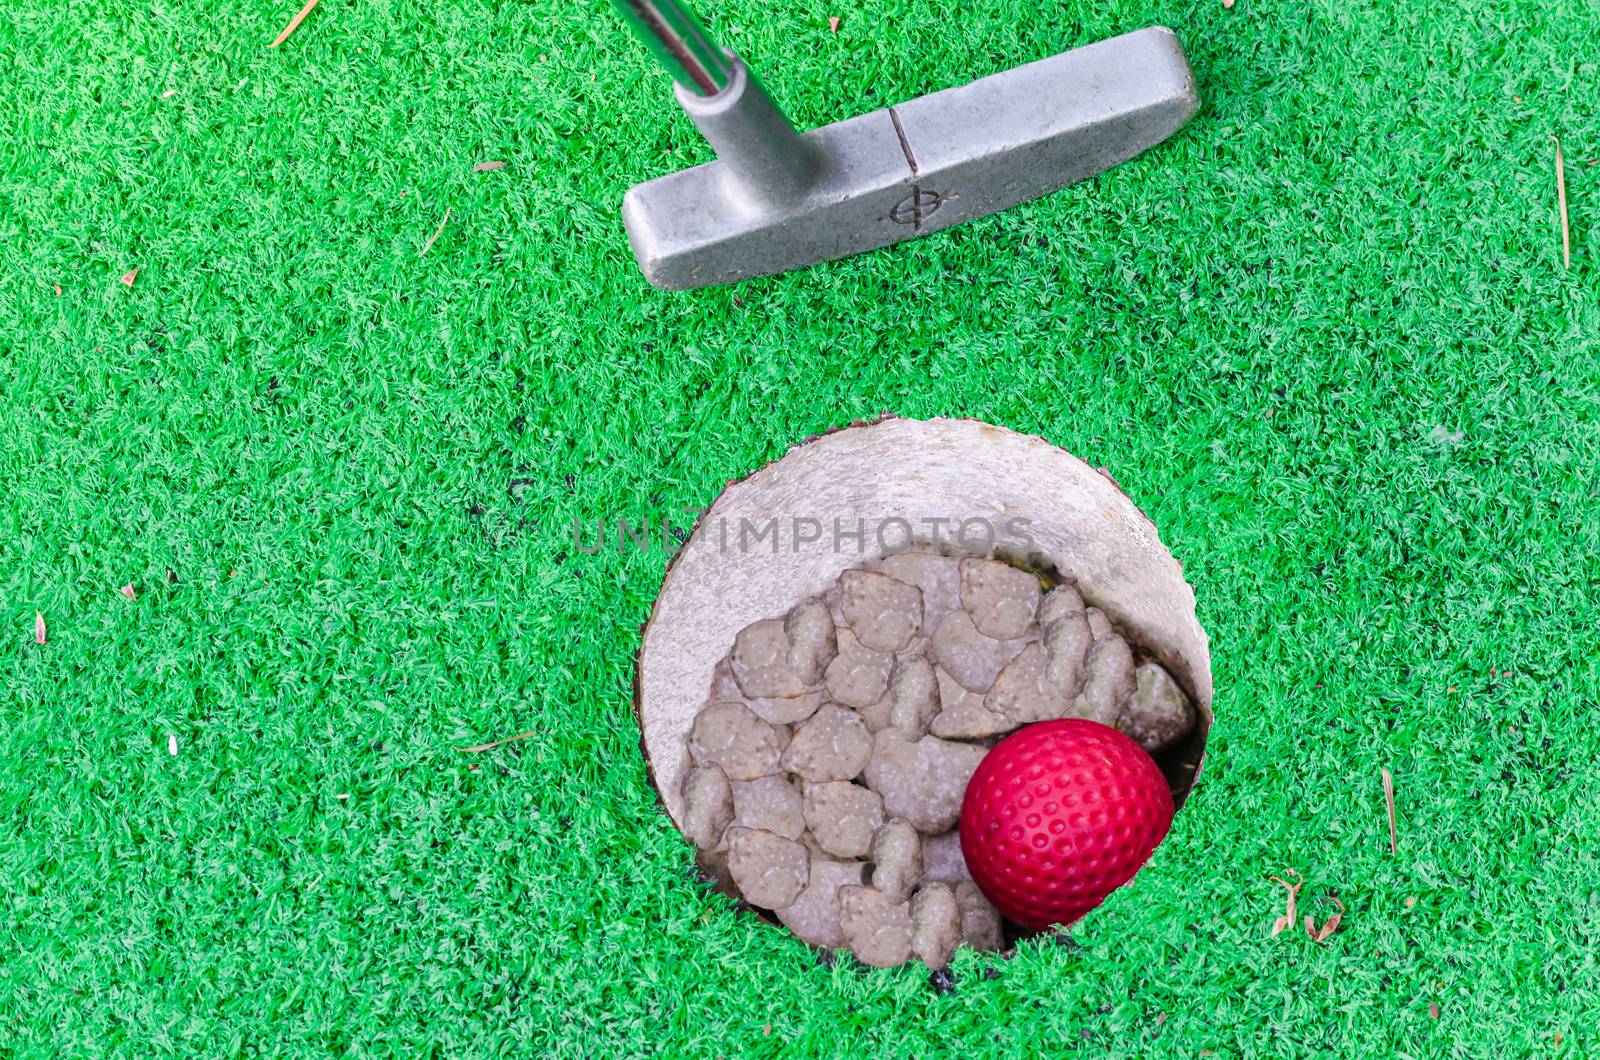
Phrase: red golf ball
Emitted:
{"points": [[1059, 815]]}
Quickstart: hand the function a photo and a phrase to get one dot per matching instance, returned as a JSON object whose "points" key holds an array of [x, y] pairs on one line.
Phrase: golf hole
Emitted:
{"points": [[811, 704]]}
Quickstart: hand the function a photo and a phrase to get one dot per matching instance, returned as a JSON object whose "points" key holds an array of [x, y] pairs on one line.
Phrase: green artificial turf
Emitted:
{"points": [[1323, 337]]}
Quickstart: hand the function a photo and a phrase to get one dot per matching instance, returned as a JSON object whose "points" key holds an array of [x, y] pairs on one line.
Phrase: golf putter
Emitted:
{"points": [[776, 200]]}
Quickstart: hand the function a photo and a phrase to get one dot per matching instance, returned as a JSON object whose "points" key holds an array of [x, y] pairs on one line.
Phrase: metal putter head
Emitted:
{"points": [[776, 200]]}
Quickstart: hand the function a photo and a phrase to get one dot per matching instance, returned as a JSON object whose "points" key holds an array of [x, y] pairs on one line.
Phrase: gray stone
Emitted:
{"points": [[724, 689], [877, 930], [731, 737], [771, 803], [833, 744], [896, 860], [778, 710], [967, 655], [980, 920], [1109, 684], [833, 599], [1062, 600], [1067, 640], [917, 649], [842, 817], [857, 677], [878, 715], [786, 711], [883, 612], [962, 715], [812, 641], [922, 780], [813, 847], [939, 578], [1159, 714], [1001, 599], [814, 915], [1099, 624], [914, 694], [707, 806], [1023, 693], [935, 924], [769, 870], [942, 859], [760, 662]]}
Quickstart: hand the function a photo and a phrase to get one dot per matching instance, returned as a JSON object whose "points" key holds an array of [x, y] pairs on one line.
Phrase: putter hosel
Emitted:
{"points": [[755, 143]]}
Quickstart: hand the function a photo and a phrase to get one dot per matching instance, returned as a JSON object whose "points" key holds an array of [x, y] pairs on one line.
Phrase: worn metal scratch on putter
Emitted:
{"points": [[776, 199]]}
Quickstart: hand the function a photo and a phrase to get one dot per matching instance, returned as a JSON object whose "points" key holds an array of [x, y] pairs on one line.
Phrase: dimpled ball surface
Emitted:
{"points": [[1059, 815]]}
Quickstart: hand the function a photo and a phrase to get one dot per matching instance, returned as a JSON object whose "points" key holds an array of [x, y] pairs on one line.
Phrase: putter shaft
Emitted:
{"points": [[680, 44]]}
